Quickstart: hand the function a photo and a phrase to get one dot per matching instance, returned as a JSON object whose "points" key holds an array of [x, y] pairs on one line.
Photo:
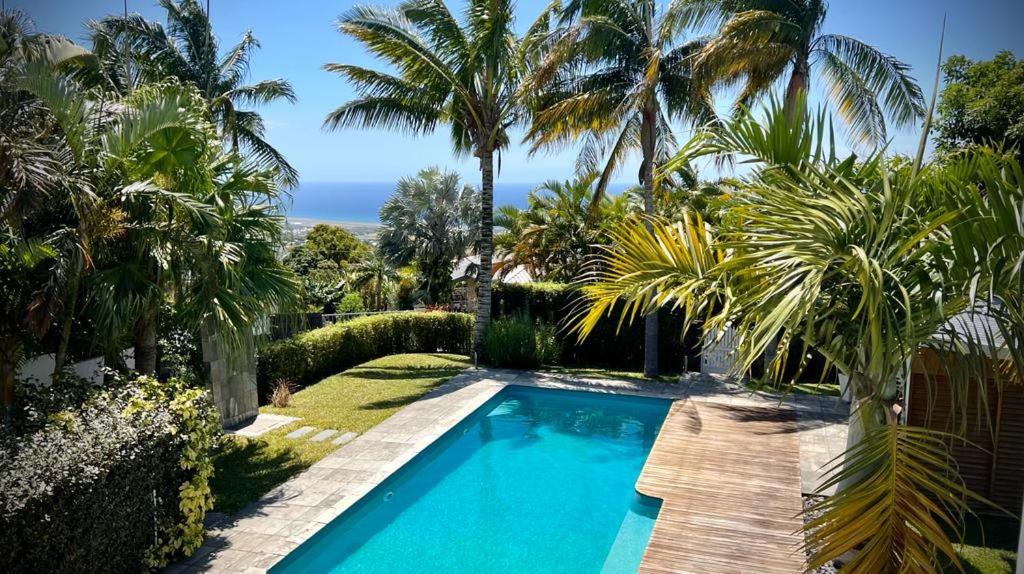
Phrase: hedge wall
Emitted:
{"points": [[308, 357], [119, 484], [553, 302]]}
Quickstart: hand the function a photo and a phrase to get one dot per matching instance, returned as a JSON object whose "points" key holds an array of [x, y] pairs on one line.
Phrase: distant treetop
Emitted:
{"points": [[983, 102]]}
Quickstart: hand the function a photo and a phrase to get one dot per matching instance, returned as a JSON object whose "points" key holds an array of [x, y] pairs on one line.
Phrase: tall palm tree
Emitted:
{"points": [[617, 76], [762, 41], [431, 220], [465, 74], [187, 49], [865, 263]]}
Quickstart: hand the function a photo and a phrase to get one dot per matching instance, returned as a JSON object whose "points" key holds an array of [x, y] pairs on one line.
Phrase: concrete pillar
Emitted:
{"points": [[231, 377]]}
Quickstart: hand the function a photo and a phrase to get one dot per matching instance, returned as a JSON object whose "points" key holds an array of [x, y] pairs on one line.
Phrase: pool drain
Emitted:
{"points": [[389, 496]]}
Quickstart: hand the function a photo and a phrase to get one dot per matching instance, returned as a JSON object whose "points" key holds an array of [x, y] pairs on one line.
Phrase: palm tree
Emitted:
{"points": [[431, 220], [760, 41], [617, 76], [559, 229], [376, 277], [863, 262], [187, 50], [465, 74]]}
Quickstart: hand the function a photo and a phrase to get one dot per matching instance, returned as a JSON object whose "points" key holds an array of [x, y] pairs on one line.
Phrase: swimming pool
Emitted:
{"points": [[535, 480]]}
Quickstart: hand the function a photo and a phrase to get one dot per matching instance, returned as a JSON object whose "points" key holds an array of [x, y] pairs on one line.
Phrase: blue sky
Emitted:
{"points": [[299, 37]]}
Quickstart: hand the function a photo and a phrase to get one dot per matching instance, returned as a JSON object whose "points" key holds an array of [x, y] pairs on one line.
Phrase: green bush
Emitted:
{"points": [[519, 342], [552, 303], [118, 484], [313, 355], [351, 303]]}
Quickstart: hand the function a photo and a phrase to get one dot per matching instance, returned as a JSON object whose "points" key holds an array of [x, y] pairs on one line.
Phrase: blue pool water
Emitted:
{"points": [[535, 480]]}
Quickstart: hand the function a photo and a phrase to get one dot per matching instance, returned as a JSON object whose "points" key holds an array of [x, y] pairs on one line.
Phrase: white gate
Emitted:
{"points": [[718, 355]]}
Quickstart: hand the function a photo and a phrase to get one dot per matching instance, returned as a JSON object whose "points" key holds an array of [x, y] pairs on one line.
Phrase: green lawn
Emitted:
{"points": [[354, 400], [819, 389]]}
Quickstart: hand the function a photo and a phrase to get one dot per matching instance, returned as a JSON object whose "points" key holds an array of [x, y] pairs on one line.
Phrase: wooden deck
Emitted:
{"points": [[729, 479]]}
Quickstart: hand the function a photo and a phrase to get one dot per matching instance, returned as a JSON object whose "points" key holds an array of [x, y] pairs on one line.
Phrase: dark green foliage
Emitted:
{"points": [[310, 356], [100, 487], [520, 342], [552, 303], [326, 243], [982, 103]]}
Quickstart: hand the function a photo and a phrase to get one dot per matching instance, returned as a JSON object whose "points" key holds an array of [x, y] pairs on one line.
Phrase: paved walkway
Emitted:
{"points": [[263, 533]]}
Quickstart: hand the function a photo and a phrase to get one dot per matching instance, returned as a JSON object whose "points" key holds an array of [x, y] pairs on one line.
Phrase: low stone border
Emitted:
{"points": [[263, 533]]}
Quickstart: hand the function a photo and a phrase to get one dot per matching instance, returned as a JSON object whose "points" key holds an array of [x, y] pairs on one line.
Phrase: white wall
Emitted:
{"points": [[40, 369]]}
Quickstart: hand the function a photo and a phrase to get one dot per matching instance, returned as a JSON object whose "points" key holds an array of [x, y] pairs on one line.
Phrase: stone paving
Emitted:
{"points": [[263, 423], [263, 533]]}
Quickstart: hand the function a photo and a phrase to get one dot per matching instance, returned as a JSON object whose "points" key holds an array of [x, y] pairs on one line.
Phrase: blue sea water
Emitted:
{"points": [[536, 480], [361, 201]]}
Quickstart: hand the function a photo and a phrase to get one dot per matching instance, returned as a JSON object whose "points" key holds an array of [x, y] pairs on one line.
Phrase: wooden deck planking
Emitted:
{"points": [[729, 479]]}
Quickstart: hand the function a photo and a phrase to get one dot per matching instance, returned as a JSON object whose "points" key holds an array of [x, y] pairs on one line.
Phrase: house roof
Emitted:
{"points": [[976, 325]]}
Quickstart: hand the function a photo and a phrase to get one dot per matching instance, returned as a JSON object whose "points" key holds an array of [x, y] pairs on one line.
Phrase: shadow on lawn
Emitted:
{"points": [[244, 469], [394, 402]]}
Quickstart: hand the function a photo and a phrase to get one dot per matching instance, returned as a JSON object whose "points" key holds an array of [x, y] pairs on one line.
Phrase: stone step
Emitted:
{"points": [[344, 438], [323, 435], [299, 433]]}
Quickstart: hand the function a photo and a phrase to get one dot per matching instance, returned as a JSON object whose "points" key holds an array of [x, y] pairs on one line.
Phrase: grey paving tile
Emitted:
{"points": [[323, 435], [344, 438], [299, 433]]}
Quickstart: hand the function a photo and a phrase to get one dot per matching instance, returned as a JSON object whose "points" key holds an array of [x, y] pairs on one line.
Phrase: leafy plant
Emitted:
{"points": [[865, 260], [519, 342]]}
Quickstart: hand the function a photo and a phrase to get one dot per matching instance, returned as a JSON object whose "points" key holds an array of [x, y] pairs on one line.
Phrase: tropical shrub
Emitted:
{"points": [[520, 342], [310, 356], [351, 303], [119, 481]]}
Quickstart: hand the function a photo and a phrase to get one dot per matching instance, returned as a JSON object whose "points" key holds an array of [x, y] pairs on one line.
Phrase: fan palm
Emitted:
{"points": [[616, 75], [187, 49], [863, 262], [760, 41], [466, 74], [431, 220]]}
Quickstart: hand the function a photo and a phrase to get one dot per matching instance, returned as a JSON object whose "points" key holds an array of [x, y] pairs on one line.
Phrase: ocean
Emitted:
{"points": [[361, 201]]}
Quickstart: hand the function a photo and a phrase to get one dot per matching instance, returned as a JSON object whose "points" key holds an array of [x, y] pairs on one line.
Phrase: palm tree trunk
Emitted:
{"points": [[483, 302], [10, 358], [60, 357], [799, 81], [647, 137], [145, 342]]}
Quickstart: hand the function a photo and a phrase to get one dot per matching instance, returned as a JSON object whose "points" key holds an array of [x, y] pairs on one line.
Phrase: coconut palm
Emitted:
{"points": [[464, 73], [863, 262], [377, 278], [187, 49], [431, 220], [617, 75], [760, 42]]}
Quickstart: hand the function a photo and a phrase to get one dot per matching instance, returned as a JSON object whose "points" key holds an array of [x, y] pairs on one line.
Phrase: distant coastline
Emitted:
{"points": [[300, 226]]}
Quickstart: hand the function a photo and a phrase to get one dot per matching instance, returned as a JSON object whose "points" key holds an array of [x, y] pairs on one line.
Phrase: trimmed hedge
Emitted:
{"points": [[552, 303], [118, 484], [308, 357]]}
